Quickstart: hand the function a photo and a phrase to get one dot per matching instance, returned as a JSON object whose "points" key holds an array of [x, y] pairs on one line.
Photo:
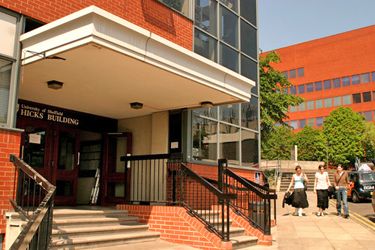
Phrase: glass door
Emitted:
{"points": [[65, 163]]}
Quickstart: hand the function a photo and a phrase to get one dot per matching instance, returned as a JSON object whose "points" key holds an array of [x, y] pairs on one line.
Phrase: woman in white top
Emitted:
{"points": [[299, 180], [321, 188]]}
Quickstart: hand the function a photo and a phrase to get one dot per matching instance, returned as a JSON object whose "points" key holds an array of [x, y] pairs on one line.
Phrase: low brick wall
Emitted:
{"points": [[175, 225]]}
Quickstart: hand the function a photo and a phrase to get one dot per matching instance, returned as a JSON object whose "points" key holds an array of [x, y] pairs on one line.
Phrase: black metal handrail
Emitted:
{"points": [[253, 200], [206, 202], [35, 197]]}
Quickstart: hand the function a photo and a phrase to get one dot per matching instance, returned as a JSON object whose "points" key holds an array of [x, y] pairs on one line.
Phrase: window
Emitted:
{"points": [[336, 83], [300, 72], [318, 104], [204, 139], [229, 27], [249, 114], [205, 15], [328, 102], [231, 4], [228, 57], [182, 6], [337, 101], [248, 11], [229, 144], [368, 115], [285, 74], [356, 98], [327, 84], [309, 87], [249, 145], [205, 45], [373, 76], [301, 89], [292, 73], [249, 69], [248, 40], [293, 109], [230, 113], [310, 122], [355, 80], [347, 99], [5, 80], [319, 121], [345, 81], [318, 86], [366, 96], [301, 107], [293, 90], [310, 105], [294, 124], [365, 78], [302, 123]]}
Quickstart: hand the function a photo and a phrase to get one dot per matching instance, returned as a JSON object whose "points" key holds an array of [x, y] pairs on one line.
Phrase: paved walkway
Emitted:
{"points": [[312, 232]]}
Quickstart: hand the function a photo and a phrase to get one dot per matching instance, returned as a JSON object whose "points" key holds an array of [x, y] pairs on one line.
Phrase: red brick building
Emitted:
{"points": [[330, 72], [83, 83]]}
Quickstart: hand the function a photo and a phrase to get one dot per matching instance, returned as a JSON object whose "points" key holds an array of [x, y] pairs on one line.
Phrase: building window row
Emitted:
{"points": [[294, 73], [368, 115], [227, 131], [334, 101], [332, 83]]}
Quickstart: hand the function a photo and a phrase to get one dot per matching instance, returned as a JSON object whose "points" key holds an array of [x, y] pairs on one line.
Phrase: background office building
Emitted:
{"points": [[331, 72], [83, 83]]}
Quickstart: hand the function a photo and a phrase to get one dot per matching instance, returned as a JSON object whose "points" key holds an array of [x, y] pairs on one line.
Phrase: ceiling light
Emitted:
{"points": [[136, 105], [206, 104], [53, 84]]}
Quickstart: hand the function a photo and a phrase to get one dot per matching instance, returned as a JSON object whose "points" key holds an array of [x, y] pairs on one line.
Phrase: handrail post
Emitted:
{"points": [[222, 164]]}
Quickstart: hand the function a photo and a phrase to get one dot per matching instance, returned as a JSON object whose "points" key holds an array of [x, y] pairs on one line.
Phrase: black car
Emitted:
{"points": [[362, 185]]}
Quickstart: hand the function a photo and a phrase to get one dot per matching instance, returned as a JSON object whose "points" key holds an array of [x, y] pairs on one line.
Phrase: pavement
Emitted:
{"points": [[313, 232]]}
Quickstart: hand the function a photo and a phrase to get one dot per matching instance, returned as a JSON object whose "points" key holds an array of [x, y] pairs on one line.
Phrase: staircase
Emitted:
{"points": [[237, 234], [286, 177], [85, 228]]}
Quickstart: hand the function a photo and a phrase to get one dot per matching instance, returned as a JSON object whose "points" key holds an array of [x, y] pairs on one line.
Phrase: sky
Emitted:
{"points": [[286, 22]]}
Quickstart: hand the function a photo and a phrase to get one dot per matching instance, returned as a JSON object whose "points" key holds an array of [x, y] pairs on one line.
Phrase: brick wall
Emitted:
{"points": [[9, 144], [148, 14], [175, 225]]}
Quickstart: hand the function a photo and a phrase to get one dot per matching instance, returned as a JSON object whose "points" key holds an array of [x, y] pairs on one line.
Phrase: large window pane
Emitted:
{"points": [[5, 75], [204, 133], [301, 89], [205, 15], [309, 87], [249, 143], [356, 98], [229, 143], [310, 105], [302, 107], [346, 81], [318, 104], [365, 78], [208, 112], [347, 99], [366, 96], [249, 69], [294, 124], [182, 6], [300, 72], [7, 34], [249, 114], [310, 122], [328, 102], [337, 101], [336, 83], [230, 113], [327, 84], [229, 27], [302, 123], [319, 121], [293, 90], [318, 86], [356, 79], [292, 73], [205, 45], [248, 40], [368, 115], [248, 11], [228, 57]]}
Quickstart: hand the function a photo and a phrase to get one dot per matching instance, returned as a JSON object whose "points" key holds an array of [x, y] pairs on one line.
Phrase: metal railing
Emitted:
{"points": [[253, 201], [34, 203]]}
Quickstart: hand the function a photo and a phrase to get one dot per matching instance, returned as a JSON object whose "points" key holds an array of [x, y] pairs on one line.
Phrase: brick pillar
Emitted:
{"points": [[9, 144]]}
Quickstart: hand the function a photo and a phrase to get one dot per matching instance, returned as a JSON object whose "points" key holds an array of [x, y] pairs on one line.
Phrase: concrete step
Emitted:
{"points": [[60, 213], [74, 221], [111, 239], [240, 242], [61, 231], [236, 231]]}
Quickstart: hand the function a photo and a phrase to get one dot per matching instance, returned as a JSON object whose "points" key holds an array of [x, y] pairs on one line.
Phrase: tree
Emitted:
{"points": [[278, 144], [343, 130], [369, 140], [311, 144], [274, 102]]}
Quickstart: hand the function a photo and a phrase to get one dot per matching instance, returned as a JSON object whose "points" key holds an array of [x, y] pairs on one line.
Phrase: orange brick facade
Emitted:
{"points": [[9, 144], [343, 55], [148, 14]]}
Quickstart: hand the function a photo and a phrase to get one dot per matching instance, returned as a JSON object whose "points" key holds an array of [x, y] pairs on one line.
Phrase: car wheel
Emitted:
{"points": [[355, 197]]}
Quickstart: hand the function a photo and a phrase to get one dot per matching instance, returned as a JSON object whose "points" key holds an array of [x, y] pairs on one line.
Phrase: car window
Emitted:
{"points": [[368, 176]]}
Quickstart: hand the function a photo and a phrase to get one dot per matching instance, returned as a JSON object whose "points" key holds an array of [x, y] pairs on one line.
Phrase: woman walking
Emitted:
{"points": [[321, 185], [299, 180]]}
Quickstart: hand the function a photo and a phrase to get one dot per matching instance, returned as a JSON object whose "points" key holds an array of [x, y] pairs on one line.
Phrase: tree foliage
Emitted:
{"points": [[311, 144], [343, 130], [278, 144], [369, 140], [274, 102]]}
